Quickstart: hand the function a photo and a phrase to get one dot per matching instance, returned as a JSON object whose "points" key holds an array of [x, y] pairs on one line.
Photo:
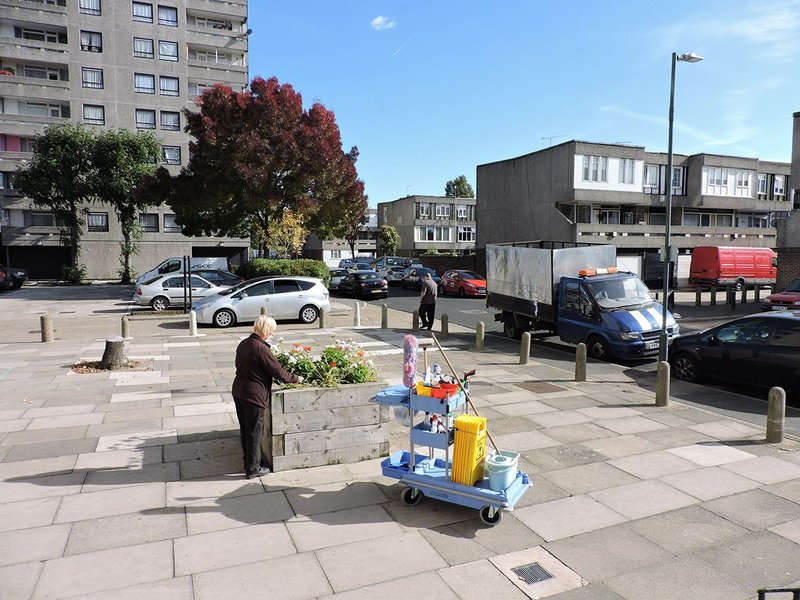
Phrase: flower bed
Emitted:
{"points": [[341, 362]]}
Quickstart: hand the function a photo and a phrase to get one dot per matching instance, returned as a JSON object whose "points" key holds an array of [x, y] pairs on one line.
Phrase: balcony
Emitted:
{"points": [[33, 12], [31, 236], [230, 41], [25, 50], [225, 8], [201, 69], [34, 88], [652, 236], [15, 124]]}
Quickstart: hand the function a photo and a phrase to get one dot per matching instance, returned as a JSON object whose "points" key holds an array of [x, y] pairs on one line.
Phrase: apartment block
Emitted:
{"points": [[333, 250], [613, 193], [424, 222], [109, 64]]}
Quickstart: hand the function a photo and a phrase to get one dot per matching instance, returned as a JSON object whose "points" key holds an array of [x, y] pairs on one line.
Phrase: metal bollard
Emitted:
{"points": [[357, 314], [698, 296], [525, 348], [744, 294], [192, 323], [322, 318], [126, 327], [445, 327], [46, 322], [415, 320], [384, 316], [713, 296], [732, 296], [662, 383], [580, 362], [776, 414], [757, 294], [479, 334]]}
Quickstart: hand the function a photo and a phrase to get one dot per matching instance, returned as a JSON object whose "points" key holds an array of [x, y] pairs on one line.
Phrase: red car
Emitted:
{"points": [[788, 299], [463, 283]]}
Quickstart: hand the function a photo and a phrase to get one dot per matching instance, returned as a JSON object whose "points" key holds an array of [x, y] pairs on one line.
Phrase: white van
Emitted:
{"points": [[175, 265]]}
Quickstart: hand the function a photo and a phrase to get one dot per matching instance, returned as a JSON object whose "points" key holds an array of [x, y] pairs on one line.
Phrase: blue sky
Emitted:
{"points": [[429, 89]]}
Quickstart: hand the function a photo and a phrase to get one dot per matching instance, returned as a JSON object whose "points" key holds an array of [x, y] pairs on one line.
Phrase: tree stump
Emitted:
{"points": [[114, 354]]}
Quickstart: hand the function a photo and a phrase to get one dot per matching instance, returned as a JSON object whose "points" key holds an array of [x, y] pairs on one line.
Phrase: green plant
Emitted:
{"points": [[258, 267], [339, 363], [73, 274], [431, 252]]}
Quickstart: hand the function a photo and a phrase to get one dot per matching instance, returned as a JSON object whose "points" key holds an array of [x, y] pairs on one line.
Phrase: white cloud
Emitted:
{"points": [[380, 23]]}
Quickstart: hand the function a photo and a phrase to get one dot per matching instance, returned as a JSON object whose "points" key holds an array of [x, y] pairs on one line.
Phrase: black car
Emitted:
{"points": [[412, 278], [364, 284], [12, 278], [761, 350], [219, 277]]}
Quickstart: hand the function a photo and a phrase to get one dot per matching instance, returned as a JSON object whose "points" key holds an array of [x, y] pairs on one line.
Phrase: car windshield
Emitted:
{"points": [[367, 276], [471, 275], [794, 286], [619, 292]]}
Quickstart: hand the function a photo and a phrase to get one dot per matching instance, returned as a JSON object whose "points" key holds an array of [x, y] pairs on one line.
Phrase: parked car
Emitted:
{"points": [[162, 291], [412, 277], [12, 278], [345, 262], [392, 261], [392, 273], [356, 267], [364, 284], [762, 350], [463, 283], [219, 277], [336, 278], [788, 298], [302, 298], [175, 265]]}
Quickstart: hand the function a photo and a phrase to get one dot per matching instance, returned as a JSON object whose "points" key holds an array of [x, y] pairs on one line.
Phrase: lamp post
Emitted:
{"points": [[691, 57]]}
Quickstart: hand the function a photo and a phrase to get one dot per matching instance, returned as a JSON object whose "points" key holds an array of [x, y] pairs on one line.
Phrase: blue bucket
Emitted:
{"points": [[502, 469]]}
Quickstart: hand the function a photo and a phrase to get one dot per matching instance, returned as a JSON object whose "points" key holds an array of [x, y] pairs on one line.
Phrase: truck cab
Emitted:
{"points": [[612, 312]]}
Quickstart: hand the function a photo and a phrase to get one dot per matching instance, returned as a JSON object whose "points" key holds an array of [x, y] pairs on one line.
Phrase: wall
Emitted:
{"points": [[788, 266]]}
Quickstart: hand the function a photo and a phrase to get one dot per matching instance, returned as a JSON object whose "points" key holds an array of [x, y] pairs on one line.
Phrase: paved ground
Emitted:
{"points": [[126, 486]]}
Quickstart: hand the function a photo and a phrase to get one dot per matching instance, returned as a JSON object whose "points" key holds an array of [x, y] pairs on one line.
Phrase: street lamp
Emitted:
{"points": [[690, 57]]}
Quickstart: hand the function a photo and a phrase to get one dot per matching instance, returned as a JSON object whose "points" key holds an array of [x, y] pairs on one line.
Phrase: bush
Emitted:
{"points": [[340, 363], [259, 267], [74, 274]]}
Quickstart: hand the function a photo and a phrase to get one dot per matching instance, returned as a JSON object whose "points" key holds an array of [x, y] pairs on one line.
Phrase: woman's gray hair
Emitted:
{"points": [[264, 326]]}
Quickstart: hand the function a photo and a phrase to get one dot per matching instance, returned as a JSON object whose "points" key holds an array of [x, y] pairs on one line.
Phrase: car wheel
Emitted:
{"points": [[224, 318], [441, 290], [461, 293], [598, 348], [159, 303], [309, 314], [686, 367], [16, 285]]}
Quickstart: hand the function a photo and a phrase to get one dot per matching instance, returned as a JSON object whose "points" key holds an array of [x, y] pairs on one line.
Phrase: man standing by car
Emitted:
{"points": [[427, 301]]}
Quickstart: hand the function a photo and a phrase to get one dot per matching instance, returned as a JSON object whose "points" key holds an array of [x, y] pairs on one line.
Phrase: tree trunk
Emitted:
{"points": [[126, 256], [114, 354]]}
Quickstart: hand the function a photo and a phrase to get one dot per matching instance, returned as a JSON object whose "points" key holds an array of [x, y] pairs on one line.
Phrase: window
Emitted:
{"points": [[424, 234], [143, 12], [37, 72], [148, 222], [40, 35], [466, 234], [787, 335], [763, 186], [779, 187], [441, 234], [424, 210], [170, 225], [443, 211], [171, 155], [37, 109], [609, 216], [462, 211], [336, 254], [5, 217], [197, 89], [626, 166], [43, 219], [91, 78], [94, 114], [677, 180], [725, 220], [143, 48], [170, 121], [213, 23], [90, 7], [91, 41], [168, 51], [595, 168], [144, 83], [96, 221], [651, 178], [27, 144], [285, 286], [742, 181], [717, 181], [145, 119], [168, 86], [168, 15]]}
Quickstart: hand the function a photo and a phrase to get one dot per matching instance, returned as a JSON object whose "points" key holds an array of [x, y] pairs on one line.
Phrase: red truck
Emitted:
{"points": [[726, 265]]}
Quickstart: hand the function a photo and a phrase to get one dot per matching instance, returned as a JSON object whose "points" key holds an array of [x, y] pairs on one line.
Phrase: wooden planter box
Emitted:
{"points": [[309, 427]]}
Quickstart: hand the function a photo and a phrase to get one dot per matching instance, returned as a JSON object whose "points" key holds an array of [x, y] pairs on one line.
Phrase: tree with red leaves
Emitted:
{"points": [[256, 154]]}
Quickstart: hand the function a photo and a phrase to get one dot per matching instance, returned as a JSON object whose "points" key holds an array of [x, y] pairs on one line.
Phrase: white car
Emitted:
{"points": [[302, 298], [392, 273], [162, 291]]}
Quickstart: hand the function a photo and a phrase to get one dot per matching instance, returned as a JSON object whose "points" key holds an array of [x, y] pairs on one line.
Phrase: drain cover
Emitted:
{"points": [[531, 573], [539, 387]]}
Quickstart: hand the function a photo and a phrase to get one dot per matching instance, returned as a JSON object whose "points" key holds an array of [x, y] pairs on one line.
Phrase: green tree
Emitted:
{"points": [[390, 239], [287, 234], [459, 188], [255, 154], [122, 160], [61, 176]]}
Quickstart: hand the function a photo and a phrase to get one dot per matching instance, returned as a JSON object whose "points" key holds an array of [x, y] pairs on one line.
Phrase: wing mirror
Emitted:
{"points": [[713, 340]]}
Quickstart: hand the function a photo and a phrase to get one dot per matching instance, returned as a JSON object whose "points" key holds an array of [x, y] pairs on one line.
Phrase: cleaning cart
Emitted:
{"points": [[460, 477]]}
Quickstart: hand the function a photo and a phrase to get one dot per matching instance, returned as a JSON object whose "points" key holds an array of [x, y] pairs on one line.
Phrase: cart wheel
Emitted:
{"points": [[491, 515], [411, 496]]}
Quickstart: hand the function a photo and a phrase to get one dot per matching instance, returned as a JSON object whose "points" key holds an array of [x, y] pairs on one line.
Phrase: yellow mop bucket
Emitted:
{"points": [[469, 449]]}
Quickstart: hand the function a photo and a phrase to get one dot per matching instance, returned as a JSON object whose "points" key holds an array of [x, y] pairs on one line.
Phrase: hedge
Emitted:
{"points": [[258, 267]]}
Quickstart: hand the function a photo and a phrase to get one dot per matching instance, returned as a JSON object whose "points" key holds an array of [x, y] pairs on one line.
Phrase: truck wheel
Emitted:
{"points": [[598, 348], [739, 284], [511, 330]]}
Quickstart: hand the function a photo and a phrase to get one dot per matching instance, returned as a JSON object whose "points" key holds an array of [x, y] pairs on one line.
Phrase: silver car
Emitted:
{"points": [[302, 298], [392, 273], [163, 291], [336, 277]]}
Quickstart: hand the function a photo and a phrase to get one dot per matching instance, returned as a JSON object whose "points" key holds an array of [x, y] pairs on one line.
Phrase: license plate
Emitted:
{"points": [[377, 291], [778, 308], [650, 345]]}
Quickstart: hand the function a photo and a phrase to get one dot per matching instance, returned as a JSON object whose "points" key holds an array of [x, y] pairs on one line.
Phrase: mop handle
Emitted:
{"points": [[463, 389]]}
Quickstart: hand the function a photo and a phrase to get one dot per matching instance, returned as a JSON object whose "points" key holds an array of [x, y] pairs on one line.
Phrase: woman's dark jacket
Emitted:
{"points": [[255, 368]]}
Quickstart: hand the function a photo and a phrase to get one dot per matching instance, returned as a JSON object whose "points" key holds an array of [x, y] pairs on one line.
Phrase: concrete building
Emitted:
{"points": [[789, 229], [611, 193], [332, 251], [423, 222], [109, 64]]}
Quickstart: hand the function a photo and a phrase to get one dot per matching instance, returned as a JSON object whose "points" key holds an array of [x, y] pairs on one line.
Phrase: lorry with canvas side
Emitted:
{"points": [[574, 290]]}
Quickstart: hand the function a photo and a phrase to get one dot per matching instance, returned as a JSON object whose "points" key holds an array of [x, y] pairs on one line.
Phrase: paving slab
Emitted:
{"points": [[652, 464], [709, 483], [341, 527], [480, 580], [424, 585], [561, 457], [51, 449], [593, 591], [28, 513], [709, 454], [178, 588], [94, 505], [790, 530], [511, 535], [579, 432], [755, 509], [31, 544], [765, 469], [567, 517], [329, 497], [643, 498], [42, 487], [116, 478], [125, 530], [237, 511], [559, 418], [563, 578], [131, 441], [19, 580], [583, 479], [181, 493], [40, 467], [786, 489]]}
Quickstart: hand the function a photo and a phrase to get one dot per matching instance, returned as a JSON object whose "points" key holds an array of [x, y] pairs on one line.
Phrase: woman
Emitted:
{"points": [[252, 391]]}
